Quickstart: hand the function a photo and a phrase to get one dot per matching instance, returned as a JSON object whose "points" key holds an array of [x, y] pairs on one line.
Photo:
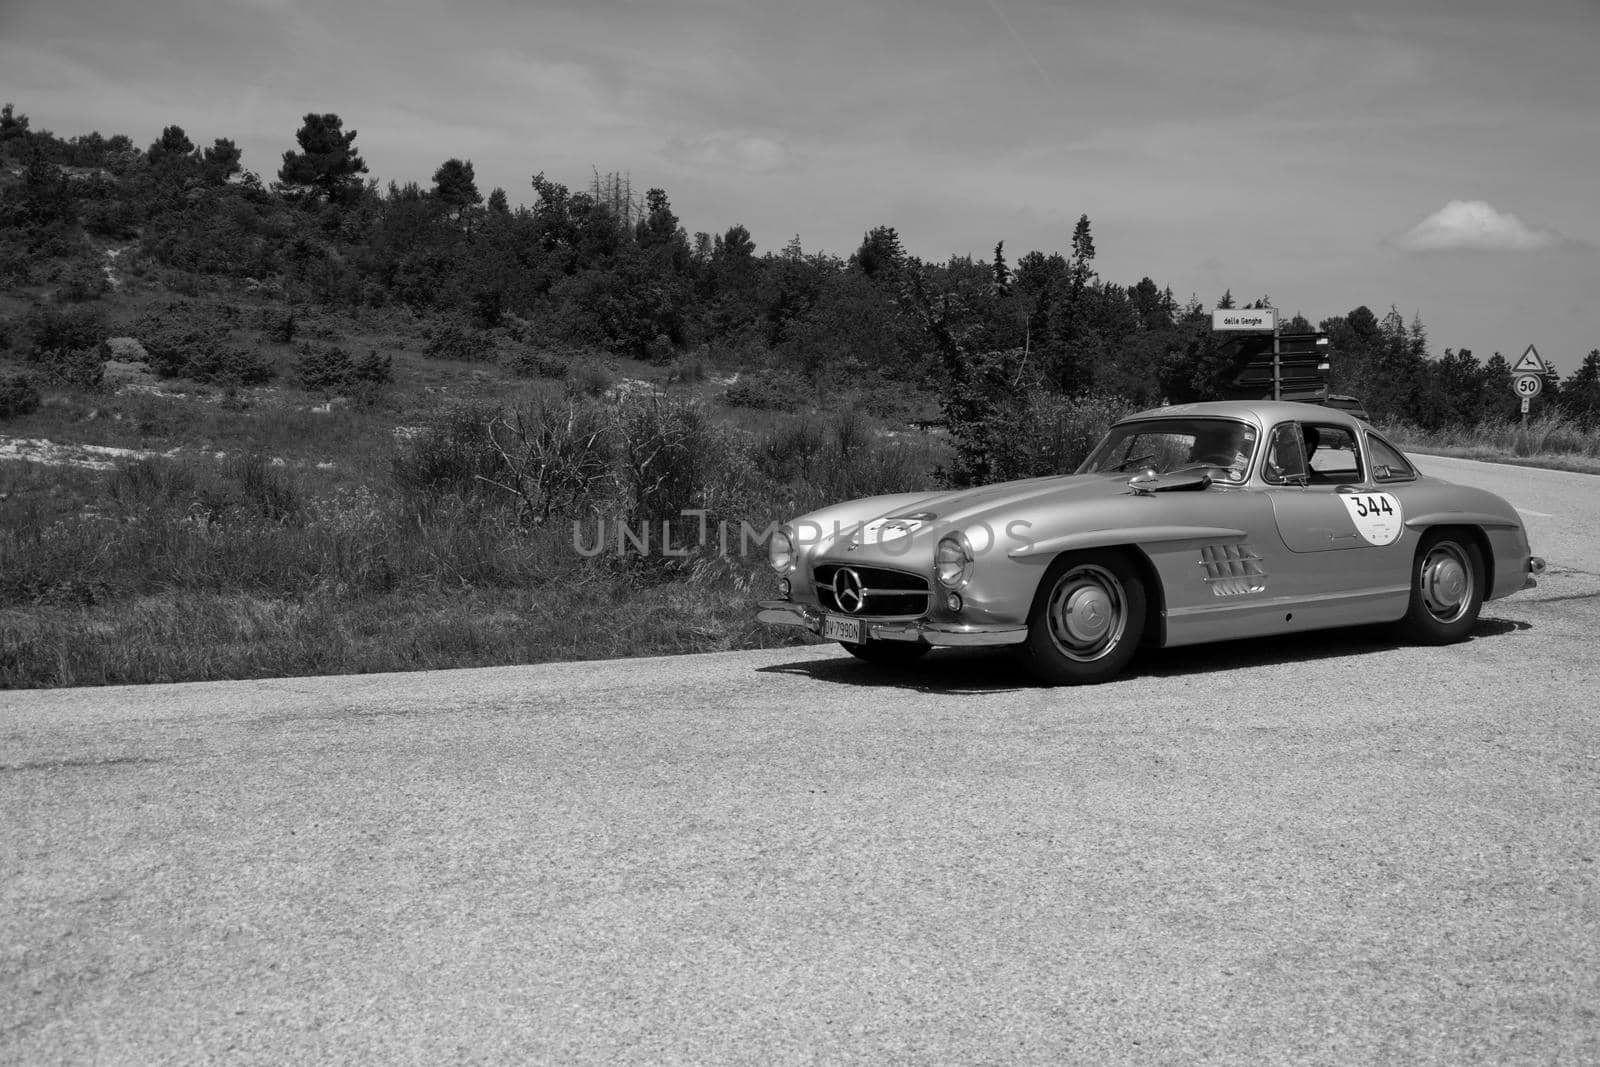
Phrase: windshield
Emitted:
{"points": [[1223, 447]]}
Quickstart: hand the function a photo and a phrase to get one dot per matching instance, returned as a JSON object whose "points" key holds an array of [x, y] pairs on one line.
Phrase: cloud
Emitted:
{"points": [[745, 152], [1474, 225]]}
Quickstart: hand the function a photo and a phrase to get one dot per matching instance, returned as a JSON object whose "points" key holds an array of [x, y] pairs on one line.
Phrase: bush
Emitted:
{"points": [[82, 368], [787, 452], [52, 330], [767, 391], [1054, 434], [528, 362], [558, 456], [450, 459], [82, 283], [141, 484], [202, 352], [18, 396], [450, 341], [669, 453], [332, 370], [588, 378], [687, 371], [261, 489]]}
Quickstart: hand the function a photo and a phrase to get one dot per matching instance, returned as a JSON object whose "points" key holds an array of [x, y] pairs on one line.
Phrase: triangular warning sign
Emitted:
{"points": [[1530, 363]]}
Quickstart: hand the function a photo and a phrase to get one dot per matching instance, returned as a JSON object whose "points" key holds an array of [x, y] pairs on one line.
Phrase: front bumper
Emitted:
{"points": [[954, 634]]}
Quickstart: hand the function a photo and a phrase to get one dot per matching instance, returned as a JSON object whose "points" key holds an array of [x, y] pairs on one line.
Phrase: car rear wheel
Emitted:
{"points": [[1088, 616], [887, 653], [1446, 590]]}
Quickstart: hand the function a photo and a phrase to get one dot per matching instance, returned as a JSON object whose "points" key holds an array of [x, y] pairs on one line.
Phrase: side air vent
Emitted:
{"points": [[1232, 570]]}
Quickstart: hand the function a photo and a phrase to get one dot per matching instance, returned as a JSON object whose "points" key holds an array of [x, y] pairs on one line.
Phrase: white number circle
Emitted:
{"points": [[1527, 385], [1377, 516]]}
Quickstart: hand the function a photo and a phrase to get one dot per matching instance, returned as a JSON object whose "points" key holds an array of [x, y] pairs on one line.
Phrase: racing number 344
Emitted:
{"points": [[1372, 505]]}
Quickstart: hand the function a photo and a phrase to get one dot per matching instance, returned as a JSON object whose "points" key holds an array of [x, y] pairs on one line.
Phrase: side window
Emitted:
{"points": [[1286, 460], [1388, 465], [1332, 455]]}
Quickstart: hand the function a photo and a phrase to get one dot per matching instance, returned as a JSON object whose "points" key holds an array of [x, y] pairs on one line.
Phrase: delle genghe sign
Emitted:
{"points": [[1244, 319]]}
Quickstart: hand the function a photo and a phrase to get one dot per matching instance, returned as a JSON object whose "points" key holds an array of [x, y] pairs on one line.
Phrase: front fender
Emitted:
{"points": [[1126, 535]]}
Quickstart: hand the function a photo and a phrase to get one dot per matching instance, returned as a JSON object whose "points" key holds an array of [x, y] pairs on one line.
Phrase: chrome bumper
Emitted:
{"points": [[1535, 568], [955, 634]]}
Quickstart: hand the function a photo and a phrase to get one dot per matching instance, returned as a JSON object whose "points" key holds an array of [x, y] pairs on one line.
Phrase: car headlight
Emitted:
{"points": [[952, 561], [780, 551]]}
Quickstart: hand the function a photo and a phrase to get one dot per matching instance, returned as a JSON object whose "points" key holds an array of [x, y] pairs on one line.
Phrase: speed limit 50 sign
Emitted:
{"points": [[1526, 385]]}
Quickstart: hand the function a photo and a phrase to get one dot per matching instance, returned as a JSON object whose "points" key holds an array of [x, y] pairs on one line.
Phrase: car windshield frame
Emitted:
{"points": [[1135, 445]]}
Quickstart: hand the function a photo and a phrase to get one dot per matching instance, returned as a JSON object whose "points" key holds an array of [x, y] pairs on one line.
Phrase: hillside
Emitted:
{"points": [[312, 425]]}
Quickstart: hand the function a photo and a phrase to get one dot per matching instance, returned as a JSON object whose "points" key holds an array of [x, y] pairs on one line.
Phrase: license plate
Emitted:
{"points": [[836, 629]]}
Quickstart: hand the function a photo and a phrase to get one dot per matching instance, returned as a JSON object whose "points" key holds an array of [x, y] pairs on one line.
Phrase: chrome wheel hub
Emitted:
{"points": [[1088, 613], [1446, 583]]}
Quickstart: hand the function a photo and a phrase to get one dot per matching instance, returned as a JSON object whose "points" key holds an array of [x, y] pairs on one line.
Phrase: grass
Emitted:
{"points": [[1548, 441], [264, 532], [179, 637]]}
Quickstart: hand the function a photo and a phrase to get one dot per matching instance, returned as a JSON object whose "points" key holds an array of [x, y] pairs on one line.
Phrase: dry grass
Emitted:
{"points": [[1548, 441], [263, 539]]}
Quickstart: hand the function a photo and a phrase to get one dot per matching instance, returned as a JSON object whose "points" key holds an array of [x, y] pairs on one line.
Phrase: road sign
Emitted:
{"points": [[1244, 319], [1524, 405], [1531, 363], [1527, 385]]}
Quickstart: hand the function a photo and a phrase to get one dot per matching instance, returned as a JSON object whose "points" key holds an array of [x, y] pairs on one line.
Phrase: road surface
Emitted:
{"points": [[1320, 849]]}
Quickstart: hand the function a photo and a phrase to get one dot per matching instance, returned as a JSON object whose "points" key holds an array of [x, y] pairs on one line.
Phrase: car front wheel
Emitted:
{"points": [[1088, 616], [1446, 590]]}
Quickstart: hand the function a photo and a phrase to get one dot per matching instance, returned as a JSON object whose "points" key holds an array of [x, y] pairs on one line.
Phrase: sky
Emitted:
{"points": [[1440, 156]]}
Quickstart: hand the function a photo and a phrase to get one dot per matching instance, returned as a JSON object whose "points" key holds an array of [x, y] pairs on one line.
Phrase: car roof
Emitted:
{"points": [[1263, 413]]}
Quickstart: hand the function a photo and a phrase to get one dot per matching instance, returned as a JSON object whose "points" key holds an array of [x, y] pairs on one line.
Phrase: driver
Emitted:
{"points": [[1224, 444]]}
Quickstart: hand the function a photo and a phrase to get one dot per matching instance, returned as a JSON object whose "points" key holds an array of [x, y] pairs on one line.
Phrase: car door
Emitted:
{"points": [[1345, 535]]}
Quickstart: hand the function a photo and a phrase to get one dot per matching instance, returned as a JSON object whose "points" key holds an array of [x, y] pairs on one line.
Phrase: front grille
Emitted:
{"points": [[884, 593]]}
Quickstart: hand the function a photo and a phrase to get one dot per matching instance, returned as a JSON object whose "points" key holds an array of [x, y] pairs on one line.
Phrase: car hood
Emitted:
{"points": [[889, 530]]}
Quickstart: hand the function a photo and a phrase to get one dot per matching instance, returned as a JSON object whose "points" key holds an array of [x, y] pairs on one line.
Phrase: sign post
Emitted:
{"points": [[1256, 320], [1527, 380]]}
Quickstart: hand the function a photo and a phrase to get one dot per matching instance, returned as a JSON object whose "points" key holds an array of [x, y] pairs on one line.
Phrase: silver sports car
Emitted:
{"points": [[1202, 522]]}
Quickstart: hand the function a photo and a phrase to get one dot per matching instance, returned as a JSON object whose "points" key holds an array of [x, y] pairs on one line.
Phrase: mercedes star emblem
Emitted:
{"points": [[847, 590]]}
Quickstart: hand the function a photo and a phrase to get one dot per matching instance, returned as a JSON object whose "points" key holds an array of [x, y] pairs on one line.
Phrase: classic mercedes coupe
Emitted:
{"points": [[1202, 522]]}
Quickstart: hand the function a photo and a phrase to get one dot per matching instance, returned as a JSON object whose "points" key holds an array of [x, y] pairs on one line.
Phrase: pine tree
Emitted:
{"points": [[327, 163], [1002, 273], [455, 186], [1580, 394]]}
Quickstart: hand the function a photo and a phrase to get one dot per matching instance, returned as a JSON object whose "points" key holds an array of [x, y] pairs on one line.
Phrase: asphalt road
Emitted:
{"points": [[1320, 849]]}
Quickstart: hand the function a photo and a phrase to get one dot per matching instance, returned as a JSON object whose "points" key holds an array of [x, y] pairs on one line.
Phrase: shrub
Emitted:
{"points": [[767, 391], [18, 396], [81, 368], [263, 490], [668, 454], [454, 342], [53, 330], [449, 459], [588, 378], [787, 451], [526, 361], [278, 324], [202, 353], [558, 456], [151, 482], [1053, 434], [687, 371], [323, 370], [82, 283]]}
